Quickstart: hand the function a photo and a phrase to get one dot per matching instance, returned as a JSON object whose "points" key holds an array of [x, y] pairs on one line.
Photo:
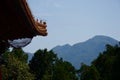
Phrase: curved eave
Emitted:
{"points": [[28, 15], [16, 20]]}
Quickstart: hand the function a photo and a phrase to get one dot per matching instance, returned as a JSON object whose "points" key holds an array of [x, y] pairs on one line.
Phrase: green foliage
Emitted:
{"points": [[16, 67], [41, 63], [89, 73], [46, 66], [19, 53], [105, 67], [64, 70], [108, 63]]}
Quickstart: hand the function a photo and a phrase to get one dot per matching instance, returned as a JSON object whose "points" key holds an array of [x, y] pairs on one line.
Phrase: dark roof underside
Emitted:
{"points": [[14, 23]]}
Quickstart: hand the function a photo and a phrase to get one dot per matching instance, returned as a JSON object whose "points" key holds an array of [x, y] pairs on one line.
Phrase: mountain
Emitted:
{"points": [[85, 51]]}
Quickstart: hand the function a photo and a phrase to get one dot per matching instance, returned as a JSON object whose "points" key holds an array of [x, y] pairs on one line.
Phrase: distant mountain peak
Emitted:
{"points": [[67, 45], [84, 51], [102, 37], [62, 46]]}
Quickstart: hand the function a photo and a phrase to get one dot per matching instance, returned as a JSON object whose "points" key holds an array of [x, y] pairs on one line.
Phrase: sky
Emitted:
{"points": [[74, 21]]}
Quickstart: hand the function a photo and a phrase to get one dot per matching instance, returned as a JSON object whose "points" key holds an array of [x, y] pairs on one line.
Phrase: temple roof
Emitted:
{"points": [[16, 21]]}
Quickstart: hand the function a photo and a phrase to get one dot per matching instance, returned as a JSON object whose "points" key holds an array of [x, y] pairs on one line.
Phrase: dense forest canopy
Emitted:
{"points": [[45, 65], [105, 67]]}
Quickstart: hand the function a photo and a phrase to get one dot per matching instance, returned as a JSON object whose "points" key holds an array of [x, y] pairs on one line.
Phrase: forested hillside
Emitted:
{"points": [[45, 65], [84, 51], [105, 67]]}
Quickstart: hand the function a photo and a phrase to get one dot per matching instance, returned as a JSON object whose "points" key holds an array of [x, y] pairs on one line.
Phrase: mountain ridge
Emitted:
{"points": [[84, 51]]}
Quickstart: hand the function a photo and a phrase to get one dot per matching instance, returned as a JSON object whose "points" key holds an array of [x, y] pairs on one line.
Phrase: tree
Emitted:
{"points": [[64, 70], [16, 67], [89, 72], [106, 66], [46, 66], [20, 54], [107, 63], [41, 63]]}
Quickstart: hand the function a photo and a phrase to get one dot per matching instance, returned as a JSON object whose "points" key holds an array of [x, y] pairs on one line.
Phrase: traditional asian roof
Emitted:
{"points": [[16, 21]]}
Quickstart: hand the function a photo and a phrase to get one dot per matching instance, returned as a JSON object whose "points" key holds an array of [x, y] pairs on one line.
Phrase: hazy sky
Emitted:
{"points": [[73, 21]]}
